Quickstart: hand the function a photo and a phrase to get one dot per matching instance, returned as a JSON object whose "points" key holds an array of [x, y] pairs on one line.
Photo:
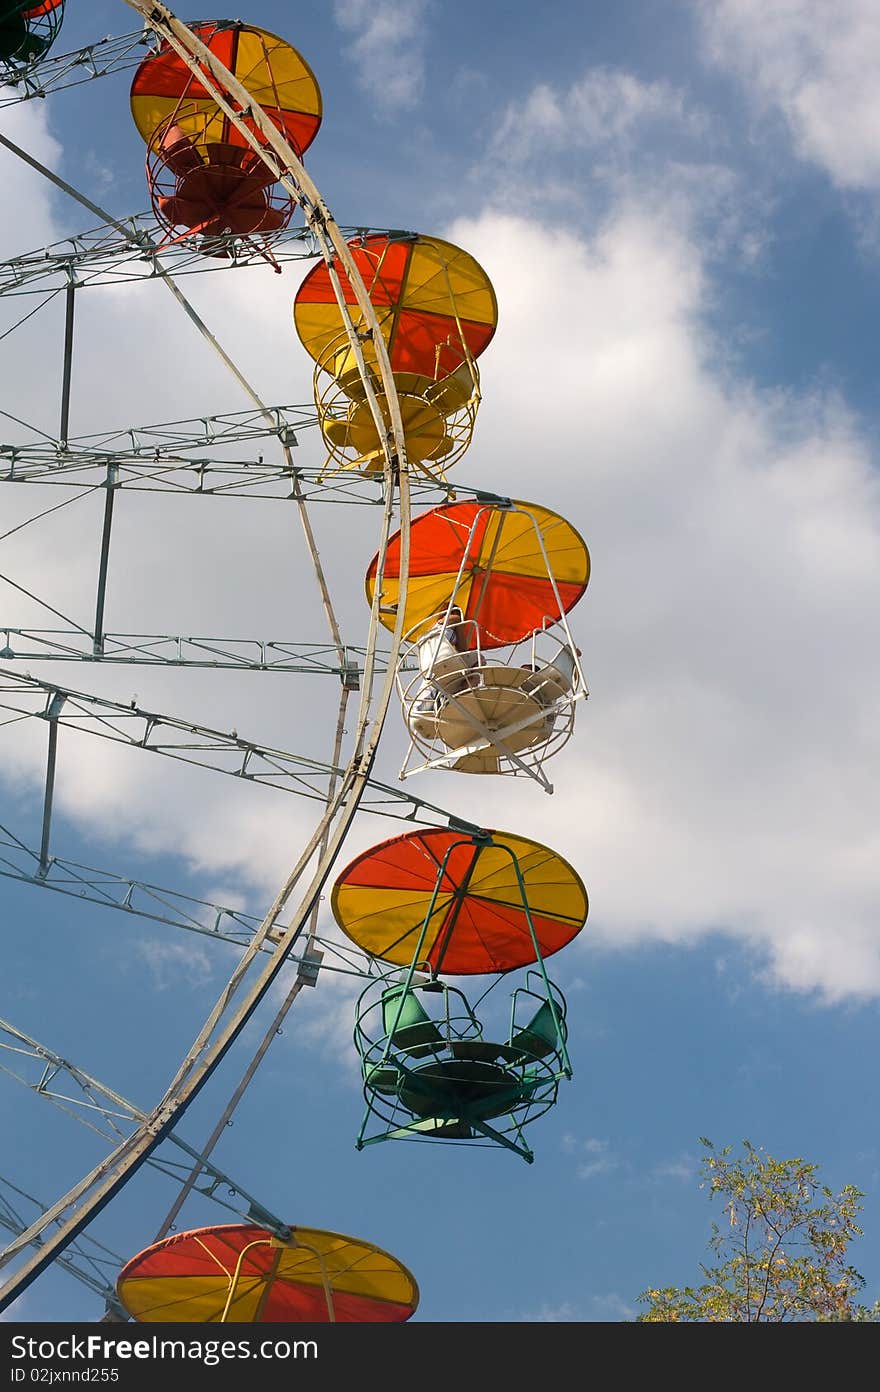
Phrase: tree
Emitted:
{"points": [[781, 1254]]}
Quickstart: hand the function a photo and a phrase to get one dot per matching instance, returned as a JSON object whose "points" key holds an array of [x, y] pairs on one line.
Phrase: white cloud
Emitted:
{"points": [[814, 63], [388, 48], [594, 1146], [564, 1313], [602, 1163], [682, 1169], [603, 1309], [611, 1307], [29, 194], [606, 108], [610, 139], [720, 777], [590, 1169], [171, 963]]}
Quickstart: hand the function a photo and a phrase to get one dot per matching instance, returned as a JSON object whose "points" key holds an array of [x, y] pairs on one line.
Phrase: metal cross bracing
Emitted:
{"points": [[158, 904], [88, 1260], [25, 697], [157, 440], [255, 478], [167, 457], [168, 650], [129, 249], [110, 1115], [55, 72]]}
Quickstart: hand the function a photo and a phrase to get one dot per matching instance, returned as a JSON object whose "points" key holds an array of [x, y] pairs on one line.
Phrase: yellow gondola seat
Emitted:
{"points": [[454, 392]]}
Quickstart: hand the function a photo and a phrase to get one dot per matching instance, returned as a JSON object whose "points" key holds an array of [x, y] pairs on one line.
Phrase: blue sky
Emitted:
{"points": [[678, 207]]}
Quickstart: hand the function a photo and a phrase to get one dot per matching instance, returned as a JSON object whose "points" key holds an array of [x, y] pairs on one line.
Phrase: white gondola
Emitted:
{"points": [[500, 711]]}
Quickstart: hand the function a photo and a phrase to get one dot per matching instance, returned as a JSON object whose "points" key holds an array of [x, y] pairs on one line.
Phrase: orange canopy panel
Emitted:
{"points": [[479, 922], [34, 11], [505, 582], [240, 1273], [431, 299], [276, 76]]}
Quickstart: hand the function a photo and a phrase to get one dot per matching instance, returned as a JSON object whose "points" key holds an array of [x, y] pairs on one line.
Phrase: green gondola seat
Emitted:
{"points": [[540, 1036], [382, 1077], [17, 43], [408, 1025], [13, 32], [448, 1089]]}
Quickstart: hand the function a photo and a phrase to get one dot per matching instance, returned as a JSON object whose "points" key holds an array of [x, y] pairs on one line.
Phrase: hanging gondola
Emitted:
{"points": [[206, 182], [489, 673], [27, 32], [440, 903], [437, 312], [241, 1273]]}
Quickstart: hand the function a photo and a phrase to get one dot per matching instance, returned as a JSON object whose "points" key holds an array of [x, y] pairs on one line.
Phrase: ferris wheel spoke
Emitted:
{"points": [[173, 650], [256, 478], [26, 696], [127, 249], [30, 314], [47, 512], [101, 1109], [139, 899], [201, 432], [58, 71], [86, 1259], [43, 603]]}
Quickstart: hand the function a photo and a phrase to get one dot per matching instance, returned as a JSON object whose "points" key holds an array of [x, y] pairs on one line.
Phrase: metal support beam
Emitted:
{"points": [[89, 1261], [52, 715], [55, 1079], [59, 70], [219, 751], [70, 306], [110, 486], [104, 256], [175, 650]]}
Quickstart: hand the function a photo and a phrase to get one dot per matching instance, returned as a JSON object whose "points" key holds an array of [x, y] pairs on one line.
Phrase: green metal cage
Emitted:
{"points": [[27, 32]]}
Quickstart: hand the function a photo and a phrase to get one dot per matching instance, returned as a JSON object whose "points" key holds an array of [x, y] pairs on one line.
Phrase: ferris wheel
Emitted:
{"points": [[466, 645]]}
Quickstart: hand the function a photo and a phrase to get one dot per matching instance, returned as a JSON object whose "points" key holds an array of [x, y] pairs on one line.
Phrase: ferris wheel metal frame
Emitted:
{"points": [[177, 457]]}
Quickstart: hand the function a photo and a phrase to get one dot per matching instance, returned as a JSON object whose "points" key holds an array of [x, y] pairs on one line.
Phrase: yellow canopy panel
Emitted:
{"points": [[240, 1273], [521, 566], [277, 77], [463, 905], [435, 304]]}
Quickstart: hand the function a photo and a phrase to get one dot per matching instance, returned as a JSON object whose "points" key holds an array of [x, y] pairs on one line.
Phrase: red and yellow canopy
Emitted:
{"points": [[431, 299], [240, 1273], [277, 77], [505, 582], [479, 921]]}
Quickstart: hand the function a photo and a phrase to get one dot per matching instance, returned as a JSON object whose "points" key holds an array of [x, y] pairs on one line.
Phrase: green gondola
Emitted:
{"points": [[488, 904], [27, 32]]}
